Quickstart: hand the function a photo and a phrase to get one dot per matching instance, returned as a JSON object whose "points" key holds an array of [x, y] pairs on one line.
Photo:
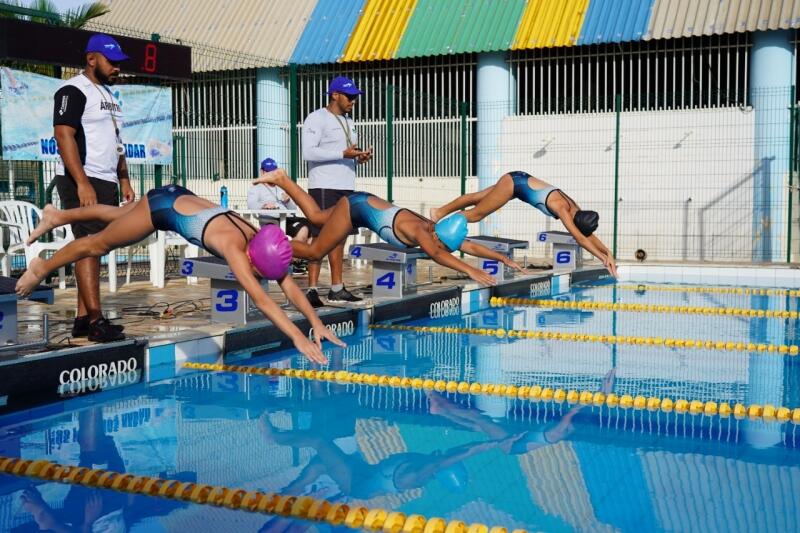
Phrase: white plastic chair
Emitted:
{"points": [[18, 219], [158, 256], [130, 251]]}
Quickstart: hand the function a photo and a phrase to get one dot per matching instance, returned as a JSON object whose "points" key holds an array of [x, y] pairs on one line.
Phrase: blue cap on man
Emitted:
{"points": [[268, 165], [343, 84], [106, 45]]}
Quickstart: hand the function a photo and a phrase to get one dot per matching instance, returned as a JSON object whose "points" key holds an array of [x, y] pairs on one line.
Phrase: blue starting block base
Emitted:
{"points": [[8, 312], [567, 255], [394, 270], [230, 303]]}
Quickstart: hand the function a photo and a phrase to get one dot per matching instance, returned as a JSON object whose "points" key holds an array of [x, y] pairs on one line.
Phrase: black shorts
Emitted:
{"points": [[327, 198], [295, 224], [107, 194]]}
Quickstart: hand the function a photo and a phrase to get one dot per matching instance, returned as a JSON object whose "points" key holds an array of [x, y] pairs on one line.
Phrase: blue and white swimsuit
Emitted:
{"points": [[381, 221], [536, 197], [191, 227]]}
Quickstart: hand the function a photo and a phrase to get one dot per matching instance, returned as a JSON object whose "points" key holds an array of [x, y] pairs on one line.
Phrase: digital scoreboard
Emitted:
{"points": [[57, 45]]}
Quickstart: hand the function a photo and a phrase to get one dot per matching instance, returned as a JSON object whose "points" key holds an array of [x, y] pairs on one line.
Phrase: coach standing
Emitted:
{"points": [[330, 146], [86, 120]]}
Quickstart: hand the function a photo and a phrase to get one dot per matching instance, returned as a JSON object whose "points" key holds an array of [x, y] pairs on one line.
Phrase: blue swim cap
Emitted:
{"points": [[452, 231], [455, 477]]}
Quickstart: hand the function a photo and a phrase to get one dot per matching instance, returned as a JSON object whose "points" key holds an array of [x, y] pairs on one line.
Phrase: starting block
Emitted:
{"points": [[505, 247], [567, 255], [230, 303], [8, 308], [394, 270]]}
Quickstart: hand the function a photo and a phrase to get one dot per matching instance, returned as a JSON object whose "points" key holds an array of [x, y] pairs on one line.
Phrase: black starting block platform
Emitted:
{"points": [[504, 246], [8, 310], [230, 303], [394, 270]]}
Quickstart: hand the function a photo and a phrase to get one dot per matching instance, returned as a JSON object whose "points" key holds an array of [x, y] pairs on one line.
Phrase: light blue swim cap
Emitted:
{"points": [[455, 477], [452, 231]]}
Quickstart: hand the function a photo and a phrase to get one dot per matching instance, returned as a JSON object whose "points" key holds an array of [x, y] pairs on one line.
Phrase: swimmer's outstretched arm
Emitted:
{"points": [[300, 301], [240, 266], [438, 254], [590, 244], [478, 250]]}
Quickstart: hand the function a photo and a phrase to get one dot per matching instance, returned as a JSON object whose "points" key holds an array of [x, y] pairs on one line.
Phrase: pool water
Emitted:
{"points": [[537, 465]]}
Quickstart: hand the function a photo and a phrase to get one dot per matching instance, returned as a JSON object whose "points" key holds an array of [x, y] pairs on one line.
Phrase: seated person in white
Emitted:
{"points": [[268, 196]]}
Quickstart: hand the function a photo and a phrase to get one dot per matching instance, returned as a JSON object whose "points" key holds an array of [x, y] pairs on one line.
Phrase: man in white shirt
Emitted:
{"points": [[87, 121], [330, 146]]}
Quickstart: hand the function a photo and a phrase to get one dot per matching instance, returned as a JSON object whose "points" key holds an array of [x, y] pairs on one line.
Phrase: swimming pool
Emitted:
{"points": [[602, 429]]}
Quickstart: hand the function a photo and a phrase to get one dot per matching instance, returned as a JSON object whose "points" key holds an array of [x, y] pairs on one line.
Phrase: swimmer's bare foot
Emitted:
{"points": [[437, 404], [608, 381], [48, 222], [268, 430], [434, 214], [272, 178], [32, 502], [31, 278]]}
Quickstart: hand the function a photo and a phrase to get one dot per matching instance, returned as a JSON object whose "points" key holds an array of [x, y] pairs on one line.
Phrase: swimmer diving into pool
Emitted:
{"points": [[398, 226], [551, 201], [247, 250]]}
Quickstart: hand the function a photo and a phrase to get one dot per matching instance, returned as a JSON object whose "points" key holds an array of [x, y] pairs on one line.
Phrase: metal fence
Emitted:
{"points": [[665, 139], [709, 184]]}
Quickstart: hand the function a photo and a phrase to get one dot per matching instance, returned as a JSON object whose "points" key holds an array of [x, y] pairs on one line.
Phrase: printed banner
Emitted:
{"points": [[26, 113]]}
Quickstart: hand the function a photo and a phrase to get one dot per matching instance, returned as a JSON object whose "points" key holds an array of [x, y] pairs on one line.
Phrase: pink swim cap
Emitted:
{"points": [[270, 252]]}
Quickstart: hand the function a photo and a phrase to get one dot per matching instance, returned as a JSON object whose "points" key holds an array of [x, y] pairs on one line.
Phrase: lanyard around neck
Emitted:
{"points": [[345, 127], [110, 106]]}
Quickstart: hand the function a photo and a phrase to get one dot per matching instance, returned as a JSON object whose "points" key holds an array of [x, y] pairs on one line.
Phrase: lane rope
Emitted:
{"points": [[730, 346], [753, 291], [645, 308], [301, 507], [533, 393]]}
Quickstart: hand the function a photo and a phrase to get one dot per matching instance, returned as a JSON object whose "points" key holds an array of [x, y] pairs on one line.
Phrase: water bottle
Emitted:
{"points": [[223, 196]]}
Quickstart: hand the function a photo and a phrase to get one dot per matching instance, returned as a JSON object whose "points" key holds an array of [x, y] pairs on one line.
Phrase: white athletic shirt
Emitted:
{"points": [[87, 107], [324, 140]]}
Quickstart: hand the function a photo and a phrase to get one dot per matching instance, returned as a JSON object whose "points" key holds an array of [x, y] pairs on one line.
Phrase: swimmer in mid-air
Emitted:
{"points": [[247, 250], [399, 227], [549, 200]]}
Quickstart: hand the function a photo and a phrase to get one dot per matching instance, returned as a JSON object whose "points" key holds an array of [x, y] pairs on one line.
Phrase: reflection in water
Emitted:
{"points": [[84, 509], [537, 465]]}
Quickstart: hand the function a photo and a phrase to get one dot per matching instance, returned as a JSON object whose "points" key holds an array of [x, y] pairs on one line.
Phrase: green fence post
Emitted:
{"points": [[792, 148], [463, 165], [158, 174], [463, 160], [179, 159], [40, 184], [389, 140], [141, 181], [48, 194], [618, 112], [294, 111]]}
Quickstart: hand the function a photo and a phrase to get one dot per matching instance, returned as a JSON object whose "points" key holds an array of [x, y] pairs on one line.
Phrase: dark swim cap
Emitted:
{"points": [[586, 221]]}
